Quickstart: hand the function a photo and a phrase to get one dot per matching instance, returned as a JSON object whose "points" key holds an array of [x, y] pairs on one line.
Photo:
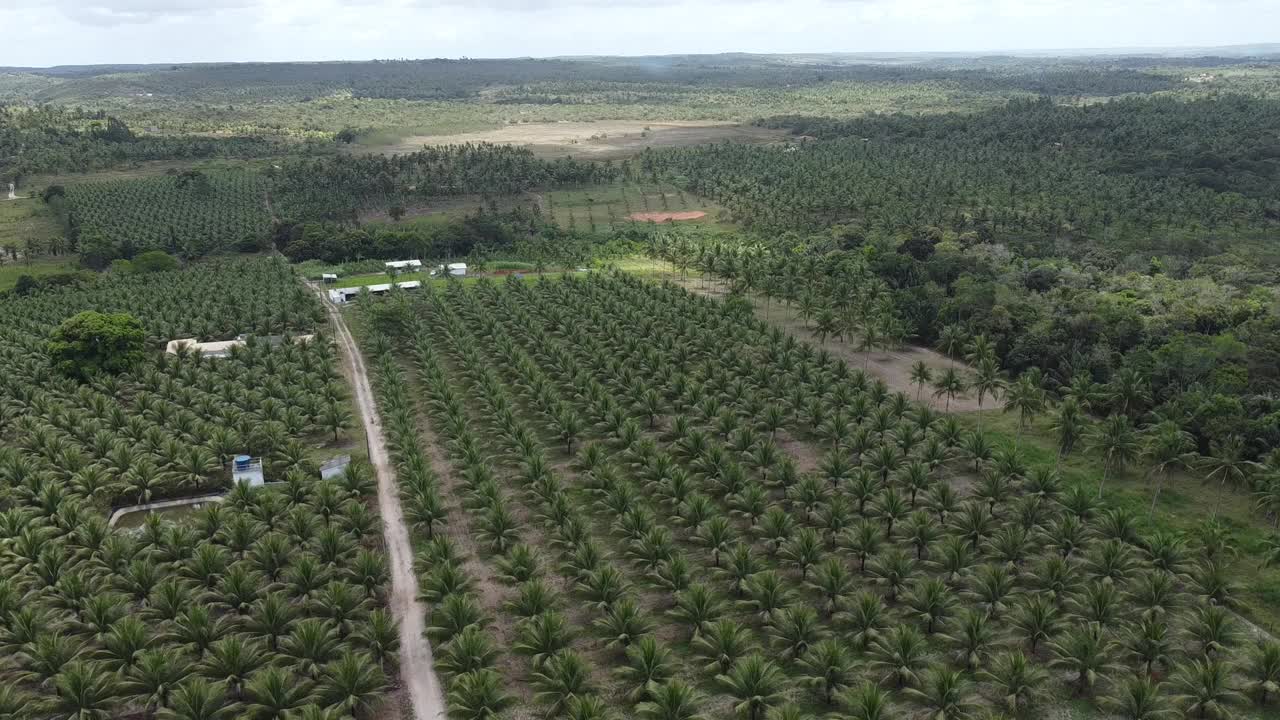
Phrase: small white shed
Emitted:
{"points": [[404, 264]]}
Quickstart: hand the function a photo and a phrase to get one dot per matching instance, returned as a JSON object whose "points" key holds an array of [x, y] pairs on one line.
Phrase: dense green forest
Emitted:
{"points": [[51, 139]]}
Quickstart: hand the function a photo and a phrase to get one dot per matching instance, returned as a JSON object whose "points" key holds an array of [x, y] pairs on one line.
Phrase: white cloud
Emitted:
{"points": [[45, 32]]}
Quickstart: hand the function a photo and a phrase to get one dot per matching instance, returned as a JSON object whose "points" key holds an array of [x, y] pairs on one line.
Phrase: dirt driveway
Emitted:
{"points": [[417, 666]]}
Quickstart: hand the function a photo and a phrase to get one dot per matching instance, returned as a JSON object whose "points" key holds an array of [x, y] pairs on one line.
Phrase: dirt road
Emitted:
{"points": [[417, 667]]}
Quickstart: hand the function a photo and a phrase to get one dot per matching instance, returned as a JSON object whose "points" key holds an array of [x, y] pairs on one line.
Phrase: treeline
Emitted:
{"points": [[521, 232], [1203, 354], [338, 189], [445, 79], [55, 140], [1229, 144]]}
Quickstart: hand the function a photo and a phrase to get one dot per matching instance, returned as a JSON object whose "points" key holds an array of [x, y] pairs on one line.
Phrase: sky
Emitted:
{"points": [[63, 32]]}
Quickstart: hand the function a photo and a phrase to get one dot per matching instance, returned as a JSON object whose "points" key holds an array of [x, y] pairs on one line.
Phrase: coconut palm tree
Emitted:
{"points": [[1166, 448], [1138, 698], [353, 684], [478, 695], [1202, 689], [757, 684], [1019, 682], [563, 677], [670, 700], [944, 693], [921, 375], [1086, 652], [1069, 425], [949, 384], [197, 699], [827, 668], [899, 655], [1227, 464], [1118, 443], [1263, 671]]}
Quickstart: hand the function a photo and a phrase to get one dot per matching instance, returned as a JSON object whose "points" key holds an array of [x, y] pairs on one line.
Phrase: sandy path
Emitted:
{"points": [[891, 366], [417, 666]]}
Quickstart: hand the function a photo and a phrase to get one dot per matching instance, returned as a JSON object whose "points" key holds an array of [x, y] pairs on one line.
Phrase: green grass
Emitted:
{"points": [[27, 223], [608, 207], [11, 271], [1184, 504]]}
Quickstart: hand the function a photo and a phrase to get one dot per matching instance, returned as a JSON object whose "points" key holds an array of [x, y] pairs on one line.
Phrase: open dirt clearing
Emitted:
{"points": [[417, 668], [893, 367], [605, 140], [665, 216]]}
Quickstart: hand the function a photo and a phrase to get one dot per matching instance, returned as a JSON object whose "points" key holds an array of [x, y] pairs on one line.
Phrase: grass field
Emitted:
{"points": [[27, 223], [1184, 504], [11, 271], [610, 207]]}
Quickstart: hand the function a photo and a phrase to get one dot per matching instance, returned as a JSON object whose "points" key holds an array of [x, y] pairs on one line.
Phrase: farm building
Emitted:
{"points": [[329, 278], [455, 269], [222, 348], [344, 295], [404, 264]]}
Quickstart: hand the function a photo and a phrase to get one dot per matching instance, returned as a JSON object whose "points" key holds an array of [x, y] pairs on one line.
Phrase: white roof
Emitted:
{"points": [[404, 263], [329, 276], [457, 266], [215, 348]]}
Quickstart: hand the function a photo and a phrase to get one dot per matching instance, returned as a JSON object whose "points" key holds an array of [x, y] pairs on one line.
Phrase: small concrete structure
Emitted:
{"points": [[404, 264], [245, 469], [163, 504], [339, 296], [222, 348], [329, 277], [335, 467]]}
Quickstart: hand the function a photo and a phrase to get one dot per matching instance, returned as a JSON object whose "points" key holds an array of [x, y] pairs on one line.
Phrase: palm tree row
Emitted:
{"points": [[266, 605], [844, 297], [1070, 520]]}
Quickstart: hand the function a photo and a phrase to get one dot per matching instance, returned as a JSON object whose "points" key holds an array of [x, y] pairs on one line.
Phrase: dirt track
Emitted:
{"points": [[417, 666]]}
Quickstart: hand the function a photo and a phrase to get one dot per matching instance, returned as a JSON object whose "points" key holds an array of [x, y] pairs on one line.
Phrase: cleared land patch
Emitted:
{"points": [[604, 140], [665, 216]]}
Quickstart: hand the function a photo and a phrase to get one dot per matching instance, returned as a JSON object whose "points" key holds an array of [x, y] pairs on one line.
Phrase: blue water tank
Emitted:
{"points": [[242, 462]]}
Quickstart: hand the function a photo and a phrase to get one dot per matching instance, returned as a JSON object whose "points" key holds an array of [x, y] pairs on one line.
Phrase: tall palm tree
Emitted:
{"points": [[921, 375], [1026, 398], [1227, 464], [987, 381], [1166, 448], [1118, 443], [1069, 424], [950, 384], [952, 340]]}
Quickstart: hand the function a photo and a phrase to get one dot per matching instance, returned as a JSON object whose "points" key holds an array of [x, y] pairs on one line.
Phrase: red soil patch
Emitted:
{"points": [[665, 216]]}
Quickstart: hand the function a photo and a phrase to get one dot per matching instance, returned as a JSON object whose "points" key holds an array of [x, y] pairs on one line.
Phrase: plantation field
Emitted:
{"points": [[193, 214], [612, 207], [633, 499], [273, 598]]}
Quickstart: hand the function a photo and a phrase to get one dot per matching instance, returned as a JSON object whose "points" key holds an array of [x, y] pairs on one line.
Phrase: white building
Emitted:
{"points": [[455, 269], [404, 265], [344, 295]]}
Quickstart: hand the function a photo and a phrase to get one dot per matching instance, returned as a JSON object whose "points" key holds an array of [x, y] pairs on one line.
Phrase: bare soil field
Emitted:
{"points": [[665, 216], [605, 140]]}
